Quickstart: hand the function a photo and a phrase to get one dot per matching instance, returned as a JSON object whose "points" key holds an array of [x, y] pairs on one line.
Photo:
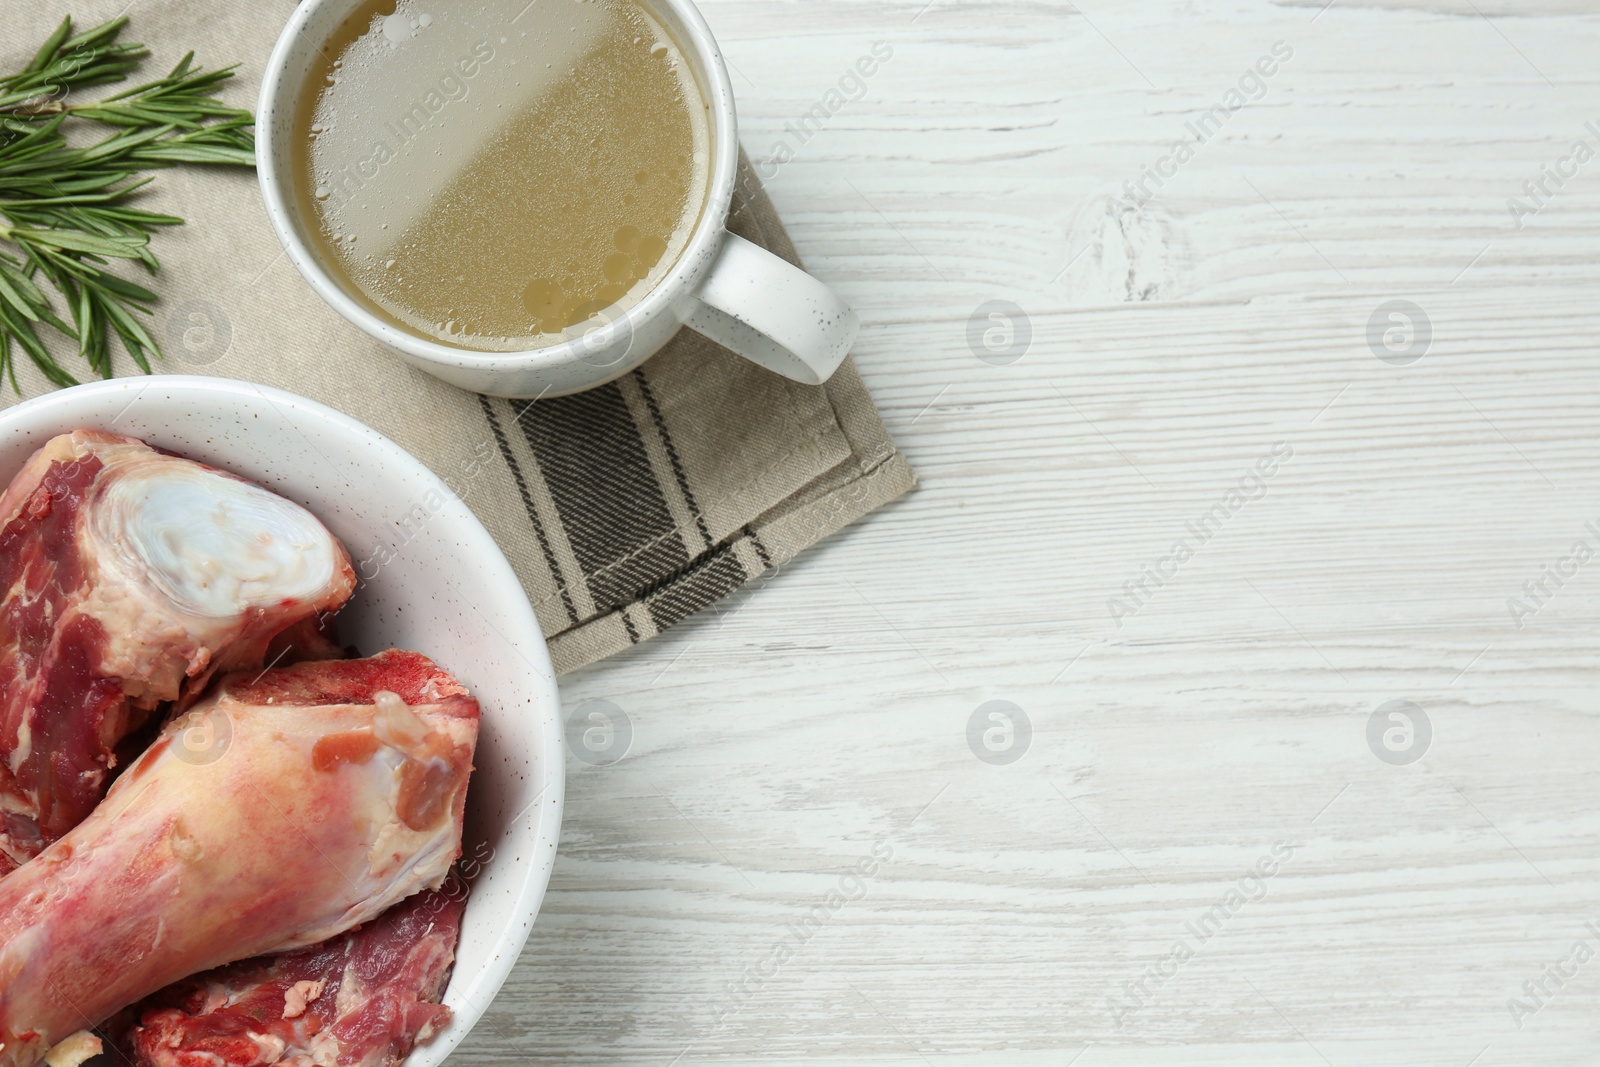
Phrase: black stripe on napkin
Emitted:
{"points": [[599, 475], [761, 549], [527, 503], [712, 576], [672, 454]]}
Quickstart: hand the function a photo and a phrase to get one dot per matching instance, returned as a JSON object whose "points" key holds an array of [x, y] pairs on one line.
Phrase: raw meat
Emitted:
{"points": [[360, 1000], [308, 640], [281, 811], [127, 578]]}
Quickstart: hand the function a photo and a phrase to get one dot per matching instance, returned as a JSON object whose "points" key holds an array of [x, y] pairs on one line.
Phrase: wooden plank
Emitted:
{"points": [[1184, 339], [1175, 341]]}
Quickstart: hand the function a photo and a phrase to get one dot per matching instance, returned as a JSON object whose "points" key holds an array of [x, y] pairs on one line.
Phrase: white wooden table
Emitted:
{"points": [[1034, 911]]}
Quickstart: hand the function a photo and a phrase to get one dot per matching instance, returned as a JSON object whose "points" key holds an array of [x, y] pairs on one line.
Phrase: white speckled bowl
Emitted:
{"points": [[448, 593]]}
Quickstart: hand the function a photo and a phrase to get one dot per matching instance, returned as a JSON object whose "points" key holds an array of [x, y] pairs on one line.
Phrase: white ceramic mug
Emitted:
{"points": [[734, 292]]}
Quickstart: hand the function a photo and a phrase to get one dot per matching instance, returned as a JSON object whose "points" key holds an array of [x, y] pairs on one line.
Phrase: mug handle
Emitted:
{"points": [[772, 313]]}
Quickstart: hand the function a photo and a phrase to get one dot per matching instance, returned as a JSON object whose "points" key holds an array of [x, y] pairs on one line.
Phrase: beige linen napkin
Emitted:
{"points": [[623, 509]]}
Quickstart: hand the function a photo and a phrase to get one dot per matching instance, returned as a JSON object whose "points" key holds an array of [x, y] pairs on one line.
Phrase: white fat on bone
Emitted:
{"points": [[214, 545], [396, 725], [73, 1050], [299, 996]]}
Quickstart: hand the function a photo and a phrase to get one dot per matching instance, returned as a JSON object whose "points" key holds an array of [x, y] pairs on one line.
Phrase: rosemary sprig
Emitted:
{"points": [[65, 211]]}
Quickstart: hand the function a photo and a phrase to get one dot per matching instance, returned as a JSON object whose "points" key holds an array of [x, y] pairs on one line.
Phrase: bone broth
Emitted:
{"points": [[499, 174]]}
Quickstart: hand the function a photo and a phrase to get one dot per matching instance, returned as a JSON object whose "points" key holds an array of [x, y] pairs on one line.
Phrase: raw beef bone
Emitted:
{"points": [[329, 792], [129, 577], [363, 999]]}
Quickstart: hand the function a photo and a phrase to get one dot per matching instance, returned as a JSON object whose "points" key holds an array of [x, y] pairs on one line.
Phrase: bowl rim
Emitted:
{"points": [[487, 982]]}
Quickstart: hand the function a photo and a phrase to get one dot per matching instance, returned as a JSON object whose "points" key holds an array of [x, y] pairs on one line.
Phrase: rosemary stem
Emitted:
{"points": [[65, 209]]}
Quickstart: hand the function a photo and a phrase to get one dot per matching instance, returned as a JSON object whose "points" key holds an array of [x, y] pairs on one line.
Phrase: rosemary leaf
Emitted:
{"points": [[65, 211]]}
